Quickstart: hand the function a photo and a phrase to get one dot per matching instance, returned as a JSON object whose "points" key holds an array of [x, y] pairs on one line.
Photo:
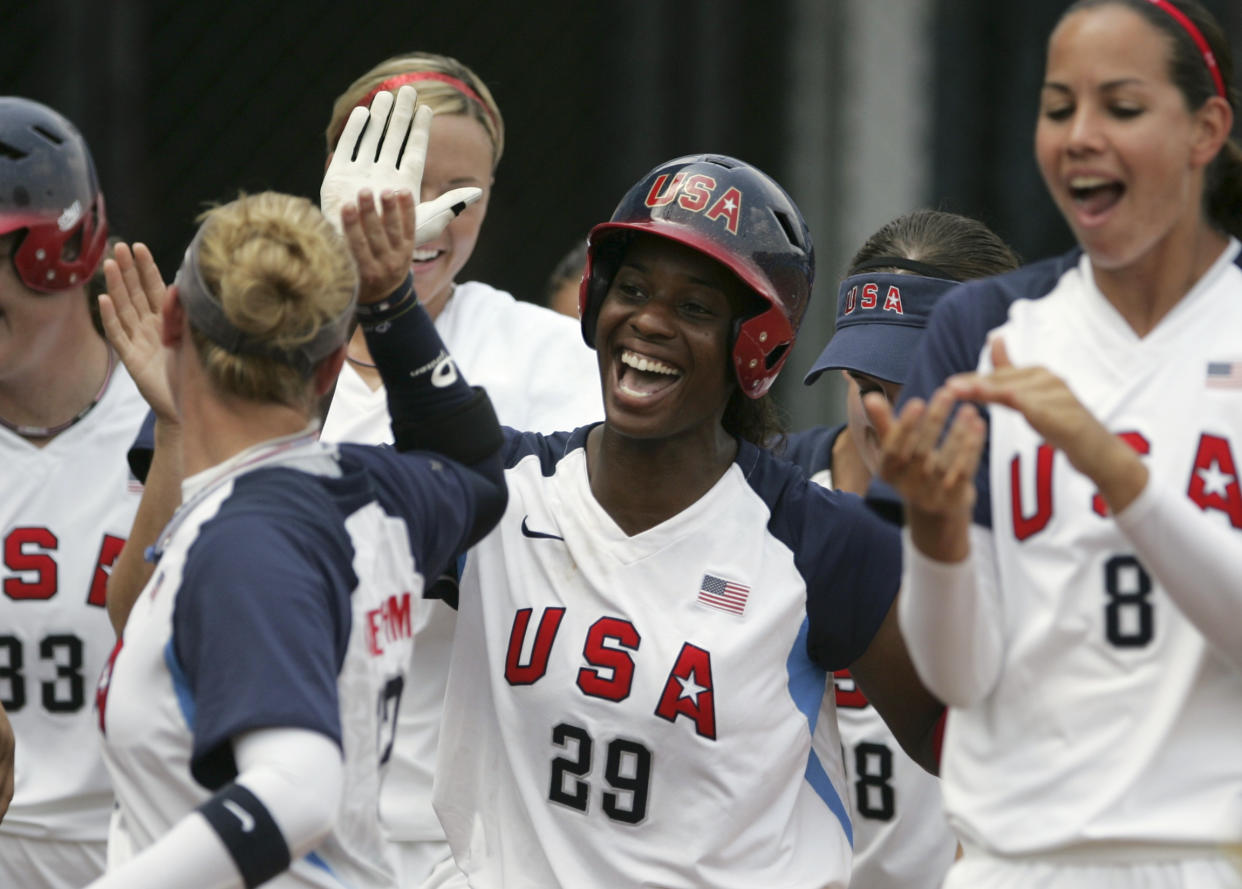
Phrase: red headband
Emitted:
{"points": [[399, 80], [1205, 48]]}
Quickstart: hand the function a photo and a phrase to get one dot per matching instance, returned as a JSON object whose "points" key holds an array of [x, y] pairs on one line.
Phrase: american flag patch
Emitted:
{"points": [[1224, 374], [723, 595]]}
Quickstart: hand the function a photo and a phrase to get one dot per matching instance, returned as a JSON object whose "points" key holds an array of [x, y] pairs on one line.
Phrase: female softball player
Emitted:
{"points": [[532, 363], [68, 412], [644, 641], [1077, 602], [251, 704], [901, 837]]}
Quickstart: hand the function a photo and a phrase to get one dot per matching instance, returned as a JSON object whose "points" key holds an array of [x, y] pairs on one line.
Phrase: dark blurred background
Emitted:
{"points": [[862, 109]]}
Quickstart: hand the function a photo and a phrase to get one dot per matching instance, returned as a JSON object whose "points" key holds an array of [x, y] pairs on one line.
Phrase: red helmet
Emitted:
{"points": [[48, 188], [738, 216]]}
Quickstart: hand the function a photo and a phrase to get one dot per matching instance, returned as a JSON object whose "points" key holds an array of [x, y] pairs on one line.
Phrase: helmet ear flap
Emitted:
{"points": [[604, 254], [760, 347]]}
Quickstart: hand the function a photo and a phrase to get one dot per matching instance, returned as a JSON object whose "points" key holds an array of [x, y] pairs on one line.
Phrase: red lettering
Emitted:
{"points": [[851, 300], [1024, 526], [374, 622], [697, 192], [655, 199], [871, 295], [398, 617], [532, 671], [1140, 445], [108, 552], [728, 205], [1214, 479], [849, 695], [43, 585], [617, 667], [892, 300], [688, 691]]}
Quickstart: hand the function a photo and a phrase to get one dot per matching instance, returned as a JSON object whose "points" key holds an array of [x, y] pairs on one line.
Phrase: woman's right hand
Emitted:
{"points": [[130, 311], [933, 471], [381, 242]]}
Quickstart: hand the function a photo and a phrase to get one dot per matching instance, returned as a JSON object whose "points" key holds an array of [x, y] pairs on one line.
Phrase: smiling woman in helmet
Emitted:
{"points": [[68, 412], [644, 640]]}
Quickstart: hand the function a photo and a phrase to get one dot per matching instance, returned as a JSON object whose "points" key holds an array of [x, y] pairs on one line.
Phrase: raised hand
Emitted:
{"points": [[381, 245], [130, 311], [1052, 410], [934, 471], [369, 156]]}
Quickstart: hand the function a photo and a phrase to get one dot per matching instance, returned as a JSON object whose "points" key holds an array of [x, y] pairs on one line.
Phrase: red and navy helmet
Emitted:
{"points": [[48, 188], [738, 216]]}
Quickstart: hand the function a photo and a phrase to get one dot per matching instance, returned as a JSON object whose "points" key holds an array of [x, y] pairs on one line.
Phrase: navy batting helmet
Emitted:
{"points": [[48, 188], [738, 216]]}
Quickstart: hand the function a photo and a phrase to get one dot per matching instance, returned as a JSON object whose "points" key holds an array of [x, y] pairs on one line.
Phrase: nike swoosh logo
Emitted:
{"points": [[246, 819], [537, 535]]}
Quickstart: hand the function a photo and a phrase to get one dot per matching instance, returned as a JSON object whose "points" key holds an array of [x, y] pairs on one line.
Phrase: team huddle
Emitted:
{"points": [[379, 579]]}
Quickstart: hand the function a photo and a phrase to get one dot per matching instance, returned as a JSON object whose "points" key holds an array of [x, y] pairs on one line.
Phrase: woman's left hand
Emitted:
{"points": [[130, 311]]}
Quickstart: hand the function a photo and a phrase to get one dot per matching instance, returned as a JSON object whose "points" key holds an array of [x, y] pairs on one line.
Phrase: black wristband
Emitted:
{"points": [[396, 304], [249, 832]]}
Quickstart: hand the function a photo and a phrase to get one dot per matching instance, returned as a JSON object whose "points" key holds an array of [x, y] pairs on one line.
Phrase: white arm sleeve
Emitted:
{"points": [[298, 776], [950, 616], [1198, 562]]}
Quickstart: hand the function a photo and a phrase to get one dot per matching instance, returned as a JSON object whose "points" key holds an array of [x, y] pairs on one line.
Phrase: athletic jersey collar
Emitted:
{"points": [[276, 451], [1111, 319]]}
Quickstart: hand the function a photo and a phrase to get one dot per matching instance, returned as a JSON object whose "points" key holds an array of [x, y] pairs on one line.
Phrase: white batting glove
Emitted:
{"points": [[376, 166]]}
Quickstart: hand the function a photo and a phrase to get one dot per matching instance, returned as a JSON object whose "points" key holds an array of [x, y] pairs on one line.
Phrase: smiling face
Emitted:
{"points": [[663, 341], [1120, 152], [459, 153]]}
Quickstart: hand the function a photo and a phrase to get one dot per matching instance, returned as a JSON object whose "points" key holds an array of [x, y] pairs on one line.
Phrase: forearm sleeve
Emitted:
{"points": [[949, 614], [1196, 560], [281, 806], [431, 405]]}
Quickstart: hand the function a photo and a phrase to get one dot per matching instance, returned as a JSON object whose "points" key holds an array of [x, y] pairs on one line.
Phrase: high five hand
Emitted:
{"points": [[130, 311], [369, 156]]}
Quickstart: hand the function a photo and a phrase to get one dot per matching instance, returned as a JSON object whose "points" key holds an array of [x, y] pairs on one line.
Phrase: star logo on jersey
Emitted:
{"points": [[1215, 481], [527, 531], [690, 689]]}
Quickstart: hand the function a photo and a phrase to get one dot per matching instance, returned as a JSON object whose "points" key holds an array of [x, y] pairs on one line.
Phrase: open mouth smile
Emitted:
{"points": [[1094, 196], [640, 376]]}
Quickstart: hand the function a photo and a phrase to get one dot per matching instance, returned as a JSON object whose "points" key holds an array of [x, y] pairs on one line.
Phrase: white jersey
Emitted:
{"points": [[639, 710], [902, 839], [539, 375], [65, 511], [284, 595], [1113, 722]]}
